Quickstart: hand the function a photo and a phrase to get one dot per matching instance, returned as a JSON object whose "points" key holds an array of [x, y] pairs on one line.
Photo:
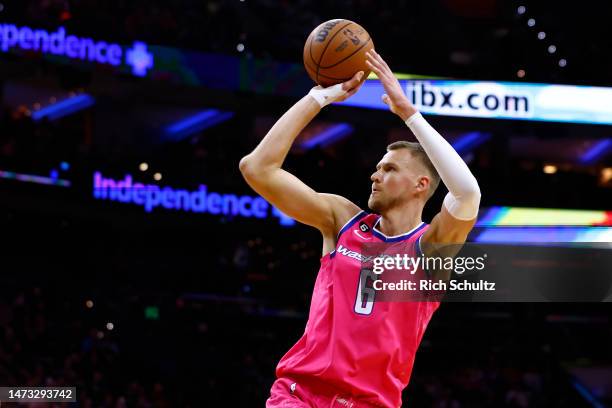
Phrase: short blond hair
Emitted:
{"points": [[419, 153]]}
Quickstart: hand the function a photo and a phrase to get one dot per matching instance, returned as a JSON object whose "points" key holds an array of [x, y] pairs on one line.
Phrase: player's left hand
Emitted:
{"points": [[394, 97]]}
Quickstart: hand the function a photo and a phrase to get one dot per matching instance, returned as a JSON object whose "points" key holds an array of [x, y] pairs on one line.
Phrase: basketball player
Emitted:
{"points": [[356, 352]]}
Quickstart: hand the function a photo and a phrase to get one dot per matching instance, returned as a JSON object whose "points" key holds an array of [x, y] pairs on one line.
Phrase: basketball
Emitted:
{"points": [[335, 51]]}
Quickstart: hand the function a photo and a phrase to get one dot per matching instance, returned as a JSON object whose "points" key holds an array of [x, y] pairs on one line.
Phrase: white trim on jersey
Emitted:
{"points": [[395, 236], [346, 224]]}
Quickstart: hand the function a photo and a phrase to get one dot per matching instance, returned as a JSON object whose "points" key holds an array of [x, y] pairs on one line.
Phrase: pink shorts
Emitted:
{"points": [[287, 393]]}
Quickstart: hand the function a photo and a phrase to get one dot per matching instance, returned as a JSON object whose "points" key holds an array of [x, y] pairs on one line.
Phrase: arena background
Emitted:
{"points": [[178, 308]]}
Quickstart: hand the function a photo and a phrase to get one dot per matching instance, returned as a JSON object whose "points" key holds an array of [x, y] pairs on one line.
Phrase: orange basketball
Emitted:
{"points": [[335, 51]]}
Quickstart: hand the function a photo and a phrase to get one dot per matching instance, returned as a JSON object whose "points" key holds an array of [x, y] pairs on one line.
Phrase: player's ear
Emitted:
{"points": [[423, 183]]}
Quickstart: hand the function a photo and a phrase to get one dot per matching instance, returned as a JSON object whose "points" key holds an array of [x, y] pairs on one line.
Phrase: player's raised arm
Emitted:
{"points": [[262, 167], [460, 208]]}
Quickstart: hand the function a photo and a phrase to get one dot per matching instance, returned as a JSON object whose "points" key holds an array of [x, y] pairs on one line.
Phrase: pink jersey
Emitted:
{"points": [[361, 348]]}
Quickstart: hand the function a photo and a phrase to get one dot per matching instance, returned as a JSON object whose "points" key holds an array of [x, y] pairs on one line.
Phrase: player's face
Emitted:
{"points": [[395, 181]]}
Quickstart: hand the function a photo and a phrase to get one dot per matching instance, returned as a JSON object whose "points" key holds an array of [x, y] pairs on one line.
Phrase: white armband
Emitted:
{"points": [[463, 199], [463, 208], [325, 96]]}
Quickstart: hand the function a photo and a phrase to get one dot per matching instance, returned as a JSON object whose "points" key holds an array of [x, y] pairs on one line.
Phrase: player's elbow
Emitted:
{"points": [[244, 164], [252, 167], [470, 193], [465, 205], [473, 193], [471, 196], [247, 167]]}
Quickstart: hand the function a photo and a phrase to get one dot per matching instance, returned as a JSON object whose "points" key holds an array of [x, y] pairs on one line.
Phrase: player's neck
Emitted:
{"points": [[398, 221]]}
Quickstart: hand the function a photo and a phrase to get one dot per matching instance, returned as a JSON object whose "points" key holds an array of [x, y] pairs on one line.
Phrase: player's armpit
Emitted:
{"points": [[326, 212], [445, 229]]}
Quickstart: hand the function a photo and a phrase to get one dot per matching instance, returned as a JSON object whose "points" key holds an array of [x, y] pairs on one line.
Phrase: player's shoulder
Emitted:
{"points": [[343, 209], [359, 217]]}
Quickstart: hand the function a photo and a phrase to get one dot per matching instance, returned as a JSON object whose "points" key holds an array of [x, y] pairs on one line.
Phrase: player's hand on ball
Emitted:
{"points": [[351, 86], [338, 92], [394, 96]]}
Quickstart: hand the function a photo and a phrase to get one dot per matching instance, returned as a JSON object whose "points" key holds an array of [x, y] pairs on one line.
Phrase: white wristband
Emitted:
{"points": [[325, 96]]}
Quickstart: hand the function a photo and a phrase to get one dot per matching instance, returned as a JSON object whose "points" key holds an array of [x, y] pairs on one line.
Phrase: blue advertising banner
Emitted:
{"points": [[498, 100], [474, 99]]}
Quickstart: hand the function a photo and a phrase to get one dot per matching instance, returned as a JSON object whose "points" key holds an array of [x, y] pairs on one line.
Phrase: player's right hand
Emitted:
{"points": [[339, 92], [351, 86]]}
